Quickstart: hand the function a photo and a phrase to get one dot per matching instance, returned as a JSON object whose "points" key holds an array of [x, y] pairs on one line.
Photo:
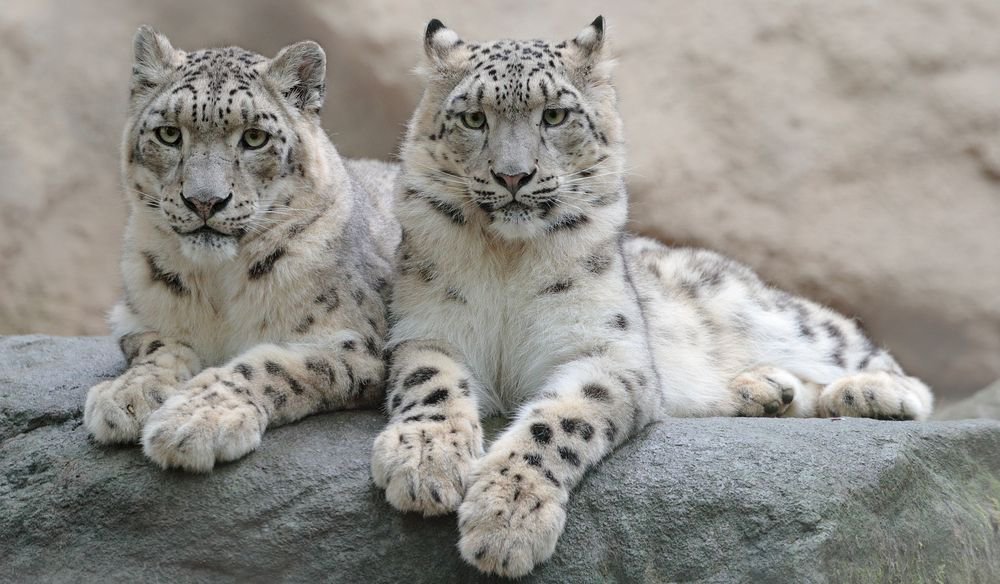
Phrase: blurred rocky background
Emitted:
{"points": [[848, 150]]}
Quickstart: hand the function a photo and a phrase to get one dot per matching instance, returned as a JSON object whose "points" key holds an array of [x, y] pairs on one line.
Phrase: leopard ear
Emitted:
{"points": [[299, 72], [439, 42], [153, 59], [591, 61], [590, 41]]}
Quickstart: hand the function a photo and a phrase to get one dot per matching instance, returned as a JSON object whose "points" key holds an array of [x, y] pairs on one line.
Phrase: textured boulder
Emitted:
{"points": [[848, 150], [983, 404], [708, 501]]}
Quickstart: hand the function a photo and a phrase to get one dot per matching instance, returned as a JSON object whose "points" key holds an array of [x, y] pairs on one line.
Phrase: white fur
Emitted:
{"points": [[278, 315], [557, 318]]}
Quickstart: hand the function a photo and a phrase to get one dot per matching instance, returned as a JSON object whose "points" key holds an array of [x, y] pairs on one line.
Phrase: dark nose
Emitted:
{"points": [[512, 182], [205, 205]]}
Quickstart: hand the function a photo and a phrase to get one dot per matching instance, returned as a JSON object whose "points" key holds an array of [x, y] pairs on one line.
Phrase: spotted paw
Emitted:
{"points": [[116, 410], [879, 395], [764, 391], [512, 516], [207, 424], [424, 465]]}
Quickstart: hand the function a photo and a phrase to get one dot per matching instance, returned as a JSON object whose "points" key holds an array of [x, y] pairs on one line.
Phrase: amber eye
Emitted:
{"points": [[474, 120], [169, 135], [255, 138], [554, 116]]}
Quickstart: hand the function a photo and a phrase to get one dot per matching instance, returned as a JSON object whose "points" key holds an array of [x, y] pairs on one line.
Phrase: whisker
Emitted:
{"points": [[438, 170], [443, 176], [591, 167], [569, 206], [147, 197], [287, 208], [592, 177]]}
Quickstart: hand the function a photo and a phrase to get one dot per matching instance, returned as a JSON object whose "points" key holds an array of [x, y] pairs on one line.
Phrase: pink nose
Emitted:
{"points": [[206, 205], [512, 182]]}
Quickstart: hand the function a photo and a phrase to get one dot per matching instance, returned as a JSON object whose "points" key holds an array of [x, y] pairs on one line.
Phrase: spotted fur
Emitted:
{"points": [[581, 332], [254, 277]]}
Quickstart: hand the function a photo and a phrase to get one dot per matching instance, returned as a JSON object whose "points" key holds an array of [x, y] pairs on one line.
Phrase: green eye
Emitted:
{"points": [[554, 116], [254, 138], [474, 120], [169, 135]]}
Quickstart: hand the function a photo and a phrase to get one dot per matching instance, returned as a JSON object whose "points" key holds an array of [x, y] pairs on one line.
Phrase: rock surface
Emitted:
{"points": [[706, 501], [848, 150], [983, 404]]}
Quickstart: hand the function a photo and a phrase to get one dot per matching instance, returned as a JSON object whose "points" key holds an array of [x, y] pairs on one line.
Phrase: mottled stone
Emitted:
{"points": [[703, 501]]}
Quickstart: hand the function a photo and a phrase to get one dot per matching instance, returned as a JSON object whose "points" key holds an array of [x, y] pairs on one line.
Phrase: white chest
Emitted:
{"points": [[511, 333], [218, 311]]}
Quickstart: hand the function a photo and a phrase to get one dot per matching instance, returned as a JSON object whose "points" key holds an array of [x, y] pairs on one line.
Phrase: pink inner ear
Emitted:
{"points": [[306, 69]]}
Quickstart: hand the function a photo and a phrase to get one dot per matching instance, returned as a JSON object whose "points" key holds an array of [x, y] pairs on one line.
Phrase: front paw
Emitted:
{"points": [[764, 391], [194, 430], [423, 465], [116, 410], [512, 516], [878, 395]]}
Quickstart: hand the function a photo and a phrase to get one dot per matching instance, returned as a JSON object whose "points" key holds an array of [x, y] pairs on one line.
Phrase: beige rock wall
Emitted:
{"points": [[849, 150]]}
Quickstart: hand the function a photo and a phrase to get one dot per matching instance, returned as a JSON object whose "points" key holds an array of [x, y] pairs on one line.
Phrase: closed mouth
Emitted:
{"points": [[205, 230], [514, 206]]}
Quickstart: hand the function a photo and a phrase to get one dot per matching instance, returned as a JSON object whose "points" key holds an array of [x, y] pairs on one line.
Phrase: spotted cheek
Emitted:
{"points": [[160, 160], [572, 143], [548, 180], [170, 197], [465, 152], [173, 208], [477, 169], [240, 211], [249, 208], [144, 186], [261, 171]]}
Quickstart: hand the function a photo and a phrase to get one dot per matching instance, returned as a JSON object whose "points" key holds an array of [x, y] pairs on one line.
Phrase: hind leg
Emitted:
{"points": [[771, 391], [876, 394], [804, 359]]}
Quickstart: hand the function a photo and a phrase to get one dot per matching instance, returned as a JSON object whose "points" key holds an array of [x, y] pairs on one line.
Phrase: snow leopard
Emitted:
{"points": [[256, 262], [519, 292]]}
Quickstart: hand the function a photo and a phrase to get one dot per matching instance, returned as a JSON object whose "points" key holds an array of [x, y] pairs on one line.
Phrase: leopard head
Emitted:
{"points": [[213, 149]]}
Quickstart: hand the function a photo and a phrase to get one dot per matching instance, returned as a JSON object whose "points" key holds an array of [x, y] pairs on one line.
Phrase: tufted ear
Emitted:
{"points": [[153, 59], [439, 42], [590, 41], [592, 61], [299, 72]]}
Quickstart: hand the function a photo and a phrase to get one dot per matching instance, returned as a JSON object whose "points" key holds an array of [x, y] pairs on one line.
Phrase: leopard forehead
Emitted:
{"points": [[512, 76], [221, 65], [215, 89]]}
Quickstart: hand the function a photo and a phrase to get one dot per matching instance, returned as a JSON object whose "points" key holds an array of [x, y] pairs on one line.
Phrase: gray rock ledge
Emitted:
{"points": [[713, 500], [983, 404]]}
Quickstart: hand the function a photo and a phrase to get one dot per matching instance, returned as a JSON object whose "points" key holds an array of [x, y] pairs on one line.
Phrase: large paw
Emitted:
{"points": [[424, 465], [196, 429], [879, 395], [116, 410], [764, 391], [512, 516]]}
